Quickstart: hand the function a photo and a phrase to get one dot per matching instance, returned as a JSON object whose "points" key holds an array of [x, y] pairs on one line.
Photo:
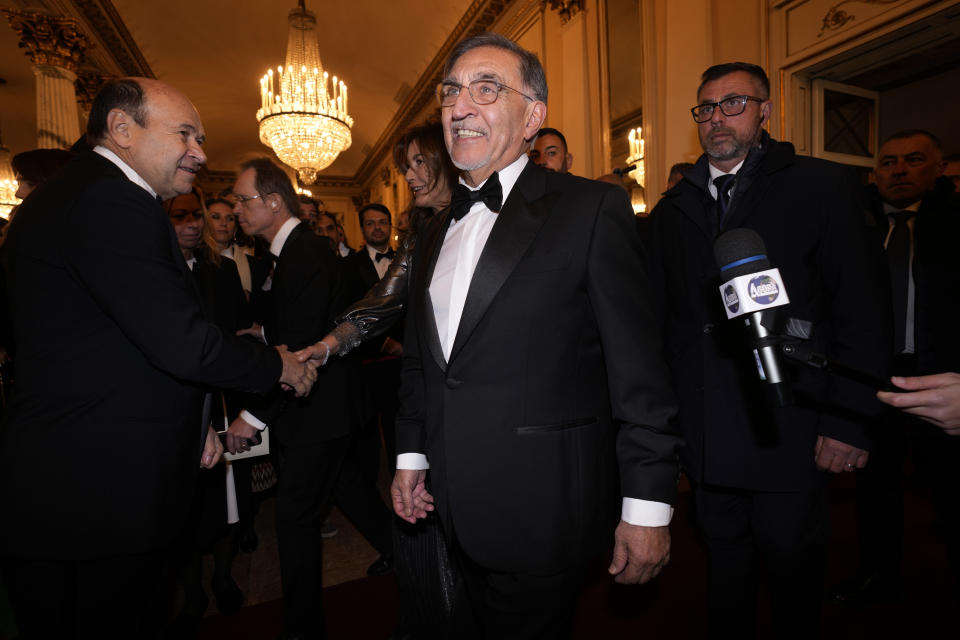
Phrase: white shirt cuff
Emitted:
{"points": [[412, 461], [645, 513], [252, 419]]}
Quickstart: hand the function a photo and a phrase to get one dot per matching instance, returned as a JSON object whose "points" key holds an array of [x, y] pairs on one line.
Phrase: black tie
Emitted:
{"points": [[160, 201], [898, 258], [388, 255], [491, 194], [723, 184]]}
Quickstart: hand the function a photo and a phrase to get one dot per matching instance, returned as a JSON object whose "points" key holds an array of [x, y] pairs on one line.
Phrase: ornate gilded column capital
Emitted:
{"points": [[566, 8], [50, 40], [87, 85]]}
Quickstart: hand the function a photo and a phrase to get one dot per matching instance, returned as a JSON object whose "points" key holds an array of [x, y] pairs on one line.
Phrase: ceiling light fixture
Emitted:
{"points": [[305, 122]]}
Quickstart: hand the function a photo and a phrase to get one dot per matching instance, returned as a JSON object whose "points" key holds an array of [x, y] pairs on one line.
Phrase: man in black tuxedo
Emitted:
{"points": [[311, 434], [379, 359], [759, 486], [532, 369], [102, 438]]}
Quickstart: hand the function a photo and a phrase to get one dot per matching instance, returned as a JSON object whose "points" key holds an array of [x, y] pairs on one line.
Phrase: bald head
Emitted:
{"points": [[153, 128]]}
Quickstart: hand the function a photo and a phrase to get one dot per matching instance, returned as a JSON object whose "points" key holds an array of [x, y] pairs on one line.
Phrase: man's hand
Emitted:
{"points": [[639, 553], [296, 375], [934, 398], [255, 330], [238, 435], [319, 352], [835, 456], [411, 500], [391, 347], [212, 450]]}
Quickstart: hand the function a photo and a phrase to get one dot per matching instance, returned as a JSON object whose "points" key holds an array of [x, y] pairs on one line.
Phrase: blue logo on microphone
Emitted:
{"points": [[731, 299], [763, 289]]}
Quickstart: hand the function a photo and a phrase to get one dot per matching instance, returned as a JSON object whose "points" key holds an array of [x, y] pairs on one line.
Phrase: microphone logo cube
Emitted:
{"points": [[731, 299], [763, 289]]}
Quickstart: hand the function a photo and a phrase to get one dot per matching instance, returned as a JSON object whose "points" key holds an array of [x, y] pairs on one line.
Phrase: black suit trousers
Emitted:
{"points": [[306, 476], [784, 534], [105, 598], [493, 605]]}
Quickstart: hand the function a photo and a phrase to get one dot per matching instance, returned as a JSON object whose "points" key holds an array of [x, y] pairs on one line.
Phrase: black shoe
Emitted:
{"points": [[228, 595], [381, 566], [867, 590]]}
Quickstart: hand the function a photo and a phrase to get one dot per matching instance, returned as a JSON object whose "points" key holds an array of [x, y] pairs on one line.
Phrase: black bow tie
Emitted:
{"points": [[388, 255], [491, 194]]}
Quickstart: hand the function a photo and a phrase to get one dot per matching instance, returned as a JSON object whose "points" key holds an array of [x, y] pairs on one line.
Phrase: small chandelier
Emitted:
{"points": [[639, 171], [305, 122], [8, 183]]}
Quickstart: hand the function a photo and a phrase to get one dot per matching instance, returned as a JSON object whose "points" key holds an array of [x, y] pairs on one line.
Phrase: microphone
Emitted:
{"points": [[751, 286]]}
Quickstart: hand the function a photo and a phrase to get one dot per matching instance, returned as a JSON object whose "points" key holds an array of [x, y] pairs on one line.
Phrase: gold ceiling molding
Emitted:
{"points": [[479, 17], [566, 8], [836, 17], [107, 25], [48, 39]]}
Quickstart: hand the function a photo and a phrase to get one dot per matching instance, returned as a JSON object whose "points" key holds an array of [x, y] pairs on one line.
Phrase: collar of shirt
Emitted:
{"points": [[508, 177], [192, 262], [716, 173], [344, 250], [276, 245], [889, 208], [132, 175], [373, 252]]}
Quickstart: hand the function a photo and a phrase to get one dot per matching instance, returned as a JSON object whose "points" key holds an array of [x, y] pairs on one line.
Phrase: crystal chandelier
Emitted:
{"points": [[8, 183], [305, 122]]}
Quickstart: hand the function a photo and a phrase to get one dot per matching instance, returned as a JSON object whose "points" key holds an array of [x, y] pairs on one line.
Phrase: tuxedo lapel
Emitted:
{"points": [[430, 243], [517, 225]]}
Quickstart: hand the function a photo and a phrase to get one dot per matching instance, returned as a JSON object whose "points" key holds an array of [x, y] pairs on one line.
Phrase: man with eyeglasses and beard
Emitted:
{"points": [[759, 472]]}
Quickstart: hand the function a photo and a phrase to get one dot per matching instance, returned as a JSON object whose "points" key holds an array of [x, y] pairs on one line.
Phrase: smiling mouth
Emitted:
{"points": [[469, 133], [190, 170]]}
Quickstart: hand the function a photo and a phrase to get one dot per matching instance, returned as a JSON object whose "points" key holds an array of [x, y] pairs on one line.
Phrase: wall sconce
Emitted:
{"points": [[638, 171]]}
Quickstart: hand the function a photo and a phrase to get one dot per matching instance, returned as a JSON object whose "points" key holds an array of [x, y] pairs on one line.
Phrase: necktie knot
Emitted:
{"points": [[900, 217], [723, 184], [385, 254], [491, 194]]}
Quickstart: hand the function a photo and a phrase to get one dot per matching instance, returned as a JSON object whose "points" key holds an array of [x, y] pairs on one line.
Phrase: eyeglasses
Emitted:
{"points": [[481, 91], [236, 198], [732, 106]]}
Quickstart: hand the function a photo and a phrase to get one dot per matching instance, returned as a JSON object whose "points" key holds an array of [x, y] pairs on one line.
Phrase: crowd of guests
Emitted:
{"points": [[537, 370]]}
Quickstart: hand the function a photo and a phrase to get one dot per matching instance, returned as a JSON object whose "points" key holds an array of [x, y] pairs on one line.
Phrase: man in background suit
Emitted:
{"points": [[101, 442], [757, 470], [311, 434], [531, 366], [918, 218]]}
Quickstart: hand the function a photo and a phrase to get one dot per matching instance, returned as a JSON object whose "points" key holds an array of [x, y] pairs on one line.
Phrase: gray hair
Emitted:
{"points": [[531, 71]]}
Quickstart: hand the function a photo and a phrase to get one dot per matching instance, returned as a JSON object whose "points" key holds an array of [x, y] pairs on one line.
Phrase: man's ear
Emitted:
{"points": [[119, 125], [569, 161], [535, 115], [765, 110]]}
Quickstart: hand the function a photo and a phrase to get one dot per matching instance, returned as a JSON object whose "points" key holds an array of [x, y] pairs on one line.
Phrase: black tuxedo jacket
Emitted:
{"points": [[812, 219], [360, 274], [554, 384], [101, 442], [304, 298]]}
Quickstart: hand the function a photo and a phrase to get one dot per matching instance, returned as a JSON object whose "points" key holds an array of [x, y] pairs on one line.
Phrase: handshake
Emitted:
{"points": [[300, 367]]}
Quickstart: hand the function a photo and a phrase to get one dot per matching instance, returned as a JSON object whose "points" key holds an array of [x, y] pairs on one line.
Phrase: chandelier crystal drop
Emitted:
{"points": [[303, 111]]}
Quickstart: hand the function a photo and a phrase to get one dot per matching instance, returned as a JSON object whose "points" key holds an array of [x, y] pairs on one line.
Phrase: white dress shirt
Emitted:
{"points": [[462, 246], [716, 173], [132, 175], [380, 265], [276, 246]]}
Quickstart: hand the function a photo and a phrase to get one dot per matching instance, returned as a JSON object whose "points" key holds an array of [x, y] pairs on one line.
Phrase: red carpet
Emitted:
{"points": [[673, 606]]}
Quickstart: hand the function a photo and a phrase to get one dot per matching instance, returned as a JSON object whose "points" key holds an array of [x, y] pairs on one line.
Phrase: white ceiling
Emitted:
{"points": [[215, 51]]}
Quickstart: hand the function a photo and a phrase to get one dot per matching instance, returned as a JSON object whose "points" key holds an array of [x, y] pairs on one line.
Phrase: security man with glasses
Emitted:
{"points": [[759, 473]]}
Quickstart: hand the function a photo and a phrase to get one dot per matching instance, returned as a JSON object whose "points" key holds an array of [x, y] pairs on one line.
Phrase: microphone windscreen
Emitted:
{"points": [[739, 252]]}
